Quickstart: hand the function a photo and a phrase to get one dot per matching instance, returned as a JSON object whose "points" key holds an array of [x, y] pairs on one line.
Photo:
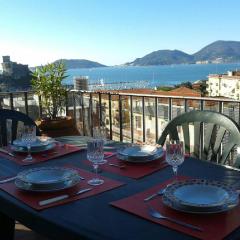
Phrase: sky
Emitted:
{"points": [[111, 32]]}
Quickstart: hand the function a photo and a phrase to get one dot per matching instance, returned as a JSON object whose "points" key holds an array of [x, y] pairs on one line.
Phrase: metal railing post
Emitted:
{"points": [[169, 109], [66, 102], [220, 107], [131, 111], [156, 119], [185, 105], [91, 114], [120, 118], [143, 120], [110, 115], [100, 109], [40, 106], [74, 108], [83, 113], [26, 102], [11, 101]]}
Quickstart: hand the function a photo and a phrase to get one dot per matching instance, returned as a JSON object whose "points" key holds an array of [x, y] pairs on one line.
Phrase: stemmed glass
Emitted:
{"points": [[100, 133], [175, 155], [28, 137], [95, 154]]}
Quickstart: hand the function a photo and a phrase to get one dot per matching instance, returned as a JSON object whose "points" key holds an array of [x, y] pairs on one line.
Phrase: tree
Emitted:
{"points": [[47, 83]]}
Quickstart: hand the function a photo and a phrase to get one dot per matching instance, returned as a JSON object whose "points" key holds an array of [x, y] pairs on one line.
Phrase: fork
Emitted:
{"points": [[158, 215], [160, 192]]}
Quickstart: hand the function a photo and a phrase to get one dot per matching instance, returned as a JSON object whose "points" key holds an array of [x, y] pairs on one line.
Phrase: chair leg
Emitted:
{"points": [[7, 227]]}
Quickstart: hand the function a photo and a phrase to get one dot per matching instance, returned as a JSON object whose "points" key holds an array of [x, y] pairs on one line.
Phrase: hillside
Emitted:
{"points": [[80, 63], [219, 51], [227, 50], [163, 57]]}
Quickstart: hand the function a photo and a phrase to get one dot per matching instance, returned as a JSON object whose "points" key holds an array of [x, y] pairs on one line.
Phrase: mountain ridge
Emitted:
{"points": [[80, 63], [76, 63], [217, 52]]}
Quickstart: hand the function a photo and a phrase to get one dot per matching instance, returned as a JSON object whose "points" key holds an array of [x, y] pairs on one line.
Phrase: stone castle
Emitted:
{"points": [[14, 76]]}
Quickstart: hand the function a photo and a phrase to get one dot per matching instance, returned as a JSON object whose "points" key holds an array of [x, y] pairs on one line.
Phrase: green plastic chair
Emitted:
{"points": [[216, 136]]}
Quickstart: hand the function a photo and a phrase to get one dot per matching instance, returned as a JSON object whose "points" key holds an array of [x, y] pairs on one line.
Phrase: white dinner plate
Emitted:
{"points": [[140, 153], [40, 142], [34, 149], [200, 196], [47, 179]]}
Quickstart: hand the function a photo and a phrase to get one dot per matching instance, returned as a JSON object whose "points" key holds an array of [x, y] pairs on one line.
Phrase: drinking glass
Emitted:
{"points": [[95, 154], [175, 155], [100, 133], [28, 137]]}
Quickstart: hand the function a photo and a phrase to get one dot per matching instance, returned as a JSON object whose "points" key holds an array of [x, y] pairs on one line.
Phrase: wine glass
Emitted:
{"points": [[175, 155], [101, 134], [28, 137], [95, 154]]}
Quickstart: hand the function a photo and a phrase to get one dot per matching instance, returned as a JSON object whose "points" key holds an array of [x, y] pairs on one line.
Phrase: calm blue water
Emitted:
{"points": [[118, 77]]}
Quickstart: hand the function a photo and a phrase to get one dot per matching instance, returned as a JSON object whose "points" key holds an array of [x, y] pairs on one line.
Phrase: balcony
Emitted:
{"points": [[129, 117]]}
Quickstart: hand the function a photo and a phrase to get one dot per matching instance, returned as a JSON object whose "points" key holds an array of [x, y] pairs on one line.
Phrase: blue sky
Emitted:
{"points": [[111, 31]]}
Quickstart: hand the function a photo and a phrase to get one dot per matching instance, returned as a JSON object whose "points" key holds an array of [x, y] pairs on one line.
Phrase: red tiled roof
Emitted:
{"points": [[182, 91]]}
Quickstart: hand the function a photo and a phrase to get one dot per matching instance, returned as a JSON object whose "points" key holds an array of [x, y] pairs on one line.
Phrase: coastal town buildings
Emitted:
{"points": [[226, 85]]}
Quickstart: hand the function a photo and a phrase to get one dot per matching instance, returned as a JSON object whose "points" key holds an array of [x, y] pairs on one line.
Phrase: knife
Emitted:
{"points": [[8, 179], [5, 151], [111, 155], [62, 197]]}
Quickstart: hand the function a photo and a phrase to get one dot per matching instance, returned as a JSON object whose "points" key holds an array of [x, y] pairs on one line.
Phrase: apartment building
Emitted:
{"points": [[226, 85]]}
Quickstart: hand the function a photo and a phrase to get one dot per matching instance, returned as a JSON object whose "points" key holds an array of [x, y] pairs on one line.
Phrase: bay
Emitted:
{"points": [[120, 77]]}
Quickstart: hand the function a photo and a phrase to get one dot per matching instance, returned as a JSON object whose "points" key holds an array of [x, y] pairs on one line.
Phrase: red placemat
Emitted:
{"points": [[32, 198], [132, 170], [215, 226], [58, 151]]}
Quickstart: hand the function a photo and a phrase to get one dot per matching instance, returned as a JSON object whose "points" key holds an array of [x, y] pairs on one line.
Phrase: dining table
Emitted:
{"points": [[95, 217]]}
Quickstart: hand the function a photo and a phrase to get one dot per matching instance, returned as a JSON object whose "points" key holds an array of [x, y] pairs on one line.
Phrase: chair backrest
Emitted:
{"points": [[15, 117], [214, 135]]}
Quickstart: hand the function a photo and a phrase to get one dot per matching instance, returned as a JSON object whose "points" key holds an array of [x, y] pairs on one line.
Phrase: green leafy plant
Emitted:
{"points": [[47, 83]]}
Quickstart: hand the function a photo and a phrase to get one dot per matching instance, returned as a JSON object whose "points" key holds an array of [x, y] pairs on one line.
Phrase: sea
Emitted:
{"points": [[125, 77]]}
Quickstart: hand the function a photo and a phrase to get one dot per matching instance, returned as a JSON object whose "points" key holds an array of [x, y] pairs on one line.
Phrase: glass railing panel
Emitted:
{"points": [[178, 107], [32, 107], [211, 105], [163, 113], [150, 120], [137, 118], [193, 104], [231, 109], [115, 120], [5, 101], [126, 119]]}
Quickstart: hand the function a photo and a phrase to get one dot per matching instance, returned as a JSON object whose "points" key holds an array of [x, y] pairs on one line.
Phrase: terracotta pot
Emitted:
{"points": [[59, 123], [57, 127]]}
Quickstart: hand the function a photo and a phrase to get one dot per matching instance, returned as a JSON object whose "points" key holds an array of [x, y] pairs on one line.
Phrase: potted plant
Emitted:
{"points": [[47, 83]]}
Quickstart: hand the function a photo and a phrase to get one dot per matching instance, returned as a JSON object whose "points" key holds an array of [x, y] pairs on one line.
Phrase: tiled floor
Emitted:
{"points": [[24, 233]]}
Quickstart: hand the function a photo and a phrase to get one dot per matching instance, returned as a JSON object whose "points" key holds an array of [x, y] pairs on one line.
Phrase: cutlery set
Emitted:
{"points": [[158, 215], [62, 197]]}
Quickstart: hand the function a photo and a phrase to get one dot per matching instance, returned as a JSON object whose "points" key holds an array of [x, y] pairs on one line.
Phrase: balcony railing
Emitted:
{"points": [[128, 117]]}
